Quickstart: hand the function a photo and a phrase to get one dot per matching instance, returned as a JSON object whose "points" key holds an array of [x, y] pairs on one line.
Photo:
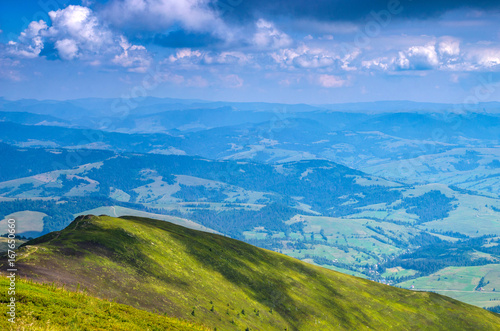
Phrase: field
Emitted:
{"points": [[461, 282]]}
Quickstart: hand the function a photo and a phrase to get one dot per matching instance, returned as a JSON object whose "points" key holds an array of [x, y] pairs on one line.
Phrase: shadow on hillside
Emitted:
{"points": [[255, 271]]}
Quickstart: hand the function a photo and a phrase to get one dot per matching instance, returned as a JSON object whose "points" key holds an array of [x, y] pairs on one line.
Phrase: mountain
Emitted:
{"points": [[388, 193], [412, 106], [31, 119], [227, 284]]}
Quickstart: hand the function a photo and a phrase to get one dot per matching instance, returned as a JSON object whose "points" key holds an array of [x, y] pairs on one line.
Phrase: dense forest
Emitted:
{"points": [[441, 254], [430, 206]]}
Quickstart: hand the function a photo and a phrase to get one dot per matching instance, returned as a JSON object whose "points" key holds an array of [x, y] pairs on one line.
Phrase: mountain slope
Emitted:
{"points": [[46, 307], [221, 282]]}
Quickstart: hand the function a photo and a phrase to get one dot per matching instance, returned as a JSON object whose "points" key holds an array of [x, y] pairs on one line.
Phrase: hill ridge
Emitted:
{"points": [[202, 277]]}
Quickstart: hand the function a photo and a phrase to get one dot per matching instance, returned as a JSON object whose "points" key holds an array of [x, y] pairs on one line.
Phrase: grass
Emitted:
{"points": [[220, 282], [355, 233], [460, 283], [46, 307]]}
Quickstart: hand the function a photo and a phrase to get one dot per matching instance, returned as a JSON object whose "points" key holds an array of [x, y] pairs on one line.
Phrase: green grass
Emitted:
{"points": [[460, 283], [220, 282], [358, 234], [46, 307]]}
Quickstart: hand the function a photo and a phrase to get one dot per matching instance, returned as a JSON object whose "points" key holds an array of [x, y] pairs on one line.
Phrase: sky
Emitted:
{"points": [[285, 51]]}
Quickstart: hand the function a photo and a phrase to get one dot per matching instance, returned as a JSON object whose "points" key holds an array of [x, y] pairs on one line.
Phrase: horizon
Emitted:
{"points": [[252, 101]]}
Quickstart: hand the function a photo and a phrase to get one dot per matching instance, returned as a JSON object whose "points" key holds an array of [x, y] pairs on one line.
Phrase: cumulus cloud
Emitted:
{"points": [[418, 58], [80, 25], [383, 63], [314, 60], [76, 32], [449, 46], [443, 54], [30, 41], [133, 57], [185, 54], [68, 49], [484, 58], [187, 57], [305, 57], [433, 55], [268, 36]]}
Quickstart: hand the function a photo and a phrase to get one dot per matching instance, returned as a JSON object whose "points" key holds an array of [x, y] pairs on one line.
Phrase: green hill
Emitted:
{"points": [[224, 283]]}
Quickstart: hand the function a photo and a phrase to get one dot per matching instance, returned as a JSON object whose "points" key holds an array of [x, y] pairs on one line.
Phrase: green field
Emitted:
{"points": [[461, 282]]}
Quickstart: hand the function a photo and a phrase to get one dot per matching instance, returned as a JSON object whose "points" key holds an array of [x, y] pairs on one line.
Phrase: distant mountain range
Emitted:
{"points": [[397, 192]]}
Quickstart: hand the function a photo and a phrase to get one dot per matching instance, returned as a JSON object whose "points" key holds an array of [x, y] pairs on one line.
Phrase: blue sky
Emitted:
{"points": [[241, 50]]}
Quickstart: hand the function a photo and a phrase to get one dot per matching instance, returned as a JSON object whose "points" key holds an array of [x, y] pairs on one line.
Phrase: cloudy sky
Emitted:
{"points": [[252, 50]]}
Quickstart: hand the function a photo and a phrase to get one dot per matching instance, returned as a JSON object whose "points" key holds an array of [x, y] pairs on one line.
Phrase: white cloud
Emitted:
{"points": [[306, 58], [30, 41], [449, 47], [185, 54], [76, 32], [418, 58], [484, 58], [67, 48], [189, 58], [314, 60], [133, 57], [383, 63], [331, 81], [268, 36], [159, 15], [79, 24]]}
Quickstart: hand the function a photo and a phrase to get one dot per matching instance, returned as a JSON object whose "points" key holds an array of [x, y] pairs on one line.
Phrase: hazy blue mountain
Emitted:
{"points": [[411, 106], [32, 119]]}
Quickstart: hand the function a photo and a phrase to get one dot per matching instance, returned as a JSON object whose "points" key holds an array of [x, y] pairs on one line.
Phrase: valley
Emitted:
{"points": [[353, 194]]}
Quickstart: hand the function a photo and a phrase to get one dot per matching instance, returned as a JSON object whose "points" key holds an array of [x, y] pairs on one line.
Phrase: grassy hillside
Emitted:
{"points": [[224, 283], [46, 307]]}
